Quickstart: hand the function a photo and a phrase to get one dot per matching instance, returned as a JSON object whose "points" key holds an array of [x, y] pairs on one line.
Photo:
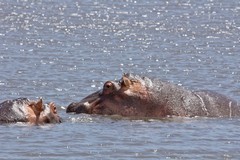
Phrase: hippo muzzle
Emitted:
{"points": [[84, 106], [95, 100]]}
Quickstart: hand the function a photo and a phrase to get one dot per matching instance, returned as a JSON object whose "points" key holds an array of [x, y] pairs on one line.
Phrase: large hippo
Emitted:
{"points": [[25, 110], [136, 96]]}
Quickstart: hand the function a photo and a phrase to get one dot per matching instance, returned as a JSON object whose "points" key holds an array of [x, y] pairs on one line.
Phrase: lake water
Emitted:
{"points": [[64, 50]]}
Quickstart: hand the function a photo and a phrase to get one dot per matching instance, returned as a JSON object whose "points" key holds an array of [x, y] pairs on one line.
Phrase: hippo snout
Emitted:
{"points": [[72, 107], [85, 105], [78, 107]]}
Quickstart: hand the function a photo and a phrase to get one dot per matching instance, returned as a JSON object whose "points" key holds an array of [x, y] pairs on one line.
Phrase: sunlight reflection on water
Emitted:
{"points": [[62, 51]]}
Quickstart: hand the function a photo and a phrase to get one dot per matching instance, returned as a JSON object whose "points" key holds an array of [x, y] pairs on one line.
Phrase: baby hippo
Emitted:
{"points": [[25, 110]]}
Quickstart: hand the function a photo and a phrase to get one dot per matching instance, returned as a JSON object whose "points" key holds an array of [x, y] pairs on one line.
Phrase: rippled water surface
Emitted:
{"points": [[64, 50]]}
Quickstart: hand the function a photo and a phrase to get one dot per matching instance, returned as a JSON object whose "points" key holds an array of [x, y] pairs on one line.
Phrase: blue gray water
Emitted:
{"points": [[64, 50]]}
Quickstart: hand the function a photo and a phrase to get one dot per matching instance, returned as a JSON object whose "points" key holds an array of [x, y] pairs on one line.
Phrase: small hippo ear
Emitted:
{"points": [[39, 105], [126, 82], [53, 107]]}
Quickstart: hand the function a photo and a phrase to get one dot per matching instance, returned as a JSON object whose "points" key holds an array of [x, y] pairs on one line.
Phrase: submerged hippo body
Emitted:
{"points": [[25, 110], [143, 97]]}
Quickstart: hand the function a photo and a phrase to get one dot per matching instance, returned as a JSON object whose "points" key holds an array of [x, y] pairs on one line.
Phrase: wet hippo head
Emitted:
{"points": [[25, 110], [40, 113], [49, 114], [127, 97]]}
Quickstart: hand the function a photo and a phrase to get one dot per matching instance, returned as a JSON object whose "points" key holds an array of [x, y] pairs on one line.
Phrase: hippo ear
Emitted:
{"points": [[126, 82], [53, 107], [39, 105]]}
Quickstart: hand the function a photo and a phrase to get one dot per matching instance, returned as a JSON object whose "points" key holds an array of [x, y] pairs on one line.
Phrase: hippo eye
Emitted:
{"points": [[108, 85], [120, 82]]}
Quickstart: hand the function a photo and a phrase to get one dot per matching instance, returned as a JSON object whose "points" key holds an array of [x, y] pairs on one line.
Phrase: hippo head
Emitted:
{"points": [[49, 114], [126, 97], [44, 113]]}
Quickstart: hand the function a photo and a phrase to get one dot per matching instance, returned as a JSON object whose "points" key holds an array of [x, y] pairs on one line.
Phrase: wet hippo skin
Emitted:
{"points": [[136, 96], [25, 110]]}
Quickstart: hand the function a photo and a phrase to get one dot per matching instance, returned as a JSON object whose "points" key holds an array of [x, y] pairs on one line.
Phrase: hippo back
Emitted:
{"points": [[218, 105], [183, 102], [14, 110]]}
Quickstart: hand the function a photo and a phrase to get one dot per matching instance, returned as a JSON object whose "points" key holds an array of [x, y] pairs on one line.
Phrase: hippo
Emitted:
{"points": [[25, 110], [136, 96]]}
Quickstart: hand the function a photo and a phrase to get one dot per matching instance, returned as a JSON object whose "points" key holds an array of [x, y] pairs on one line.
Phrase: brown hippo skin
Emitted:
{"points": [[25, 110], [136, 96]]}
